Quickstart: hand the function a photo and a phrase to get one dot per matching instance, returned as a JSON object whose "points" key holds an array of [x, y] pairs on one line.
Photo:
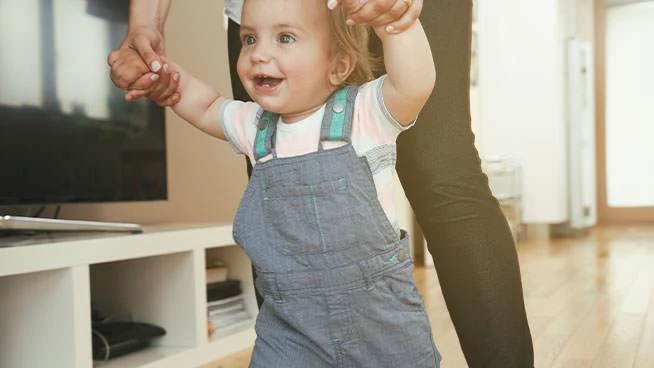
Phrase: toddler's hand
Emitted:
{"points": [[165, 91]]}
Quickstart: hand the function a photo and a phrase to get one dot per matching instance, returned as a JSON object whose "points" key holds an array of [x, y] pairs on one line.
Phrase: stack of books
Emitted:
{"points": [[227, 313], [225, 301]]}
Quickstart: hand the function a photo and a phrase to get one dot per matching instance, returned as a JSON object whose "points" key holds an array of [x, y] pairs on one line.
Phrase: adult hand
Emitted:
{"points": [[138, 66], [144, 43], [129, 71], [395, 15]]}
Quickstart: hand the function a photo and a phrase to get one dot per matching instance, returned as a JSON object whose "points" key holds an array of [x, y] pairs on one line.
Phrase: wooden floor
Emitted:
{"points": [[590, 302]]}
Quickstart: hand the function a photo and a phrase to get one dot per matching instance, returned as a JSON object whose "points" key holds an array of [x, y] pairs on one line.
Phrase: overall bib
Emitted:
{"points": [[335, 275]]}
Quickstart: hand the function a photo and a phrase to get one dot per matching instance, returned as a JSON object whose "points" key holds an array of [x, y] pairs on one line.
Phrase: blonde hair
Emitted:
{"points": [[353, 42]]}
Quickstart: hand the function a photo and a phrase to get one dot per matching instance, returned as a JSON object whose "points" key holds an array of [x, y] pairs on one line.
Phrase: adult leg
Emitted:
{"points": [[466, 232], [238, 92]]}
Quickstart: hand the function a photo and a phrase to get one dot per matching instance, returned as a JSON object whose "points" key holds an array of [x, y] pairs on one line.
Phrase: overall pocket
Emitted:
{"points": [[304, 219], [400, 284]]}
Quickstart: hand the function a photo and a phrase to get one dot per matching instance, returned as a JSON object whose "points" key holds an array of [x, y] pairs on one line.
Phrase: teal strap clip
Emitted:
{"points": [[261, 146], [336, 131]]}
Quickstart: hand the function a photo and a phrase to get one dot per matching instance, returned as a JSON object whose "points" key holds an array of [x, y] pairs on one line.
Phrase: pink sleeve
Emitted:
{"points": [[372, 118], [239, 123]]}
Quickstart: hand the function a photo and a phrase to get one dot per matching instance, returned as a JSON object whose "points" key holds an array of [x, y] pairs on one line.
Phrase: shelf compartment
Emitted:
{"points": [[43, 319], [238, 268], [161, 290]]}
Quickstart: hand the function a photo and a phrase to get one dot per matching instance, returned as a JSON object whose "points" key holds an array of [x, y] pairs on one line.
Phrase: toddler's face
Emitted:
{"points": [[286, 56]]}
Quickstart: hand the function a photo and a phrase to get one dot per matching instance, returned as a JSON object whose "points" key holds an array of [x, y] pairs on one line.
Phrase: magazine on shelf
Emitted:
{"points": [[215, 303]]}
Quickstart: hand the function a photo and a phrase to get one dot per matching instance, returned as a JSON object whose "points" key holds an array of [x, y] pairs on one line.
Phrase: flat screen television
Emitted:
{"points": [[66, 133]]}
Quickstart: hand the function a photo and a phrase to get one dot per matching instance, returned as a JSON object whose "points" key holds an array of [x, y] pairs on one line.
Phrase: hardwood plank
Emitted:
{"points": [[645, 354], [621, 343]]}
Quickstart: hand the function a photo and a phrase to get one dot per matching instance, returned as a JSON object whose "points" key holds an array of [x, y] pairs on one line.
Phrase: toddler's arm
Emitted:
{"points": [[411, 72], [199, 104]]}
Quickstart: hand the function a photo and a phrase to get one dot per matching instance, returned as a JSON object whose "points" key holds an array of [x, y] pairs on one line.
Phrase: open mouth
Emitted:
{"points": [[266, 81]]}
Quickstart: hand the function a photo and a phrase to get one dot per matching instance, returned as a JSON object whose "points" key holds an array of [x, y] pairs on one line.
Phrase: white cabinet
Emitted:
{"points": [[505, 182], [48, 282]]}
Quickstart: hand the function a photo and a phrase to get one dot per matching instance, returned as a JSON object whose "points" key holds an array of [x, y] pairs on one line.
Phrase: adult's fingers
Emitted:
{"points": [[143, 46], [146, 81], [126, 67], [399, 8], [332, 4], [370, 10], [135, 94], [123, 75], [113, 57]]}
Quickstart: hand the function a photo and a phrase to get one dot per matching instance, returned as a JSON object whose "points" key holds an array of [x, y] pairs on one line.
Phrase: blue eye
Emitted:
{"points": [[249, 40], [286, 38]]}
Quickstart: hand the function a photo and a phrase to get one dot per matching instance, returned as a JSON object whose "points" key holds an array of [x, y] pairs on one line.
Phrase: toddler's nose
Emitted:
{"points": [[261, 54]]}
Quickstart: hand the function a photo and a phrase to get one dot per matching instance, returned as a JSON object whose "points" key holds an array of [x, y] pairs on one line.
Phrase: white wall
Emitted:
{"points": [[22, 87], [521, 95], [629, 97]]}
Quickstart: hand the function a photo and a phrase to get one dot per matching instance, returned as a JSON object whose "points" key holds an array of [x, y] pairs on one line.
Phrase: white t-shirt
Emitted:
{"points": [[233, 10], [374, 132]]}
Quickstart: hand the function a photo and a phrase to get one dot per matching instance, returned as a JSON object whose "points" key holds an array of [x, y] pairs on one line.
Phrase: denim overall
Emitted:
{"points": [[335, 275]]}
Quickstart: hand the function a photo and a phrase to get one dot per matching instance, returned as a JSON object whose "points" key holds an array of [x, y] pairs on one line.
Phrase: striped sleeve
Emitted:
{"points": [[238, 121]]}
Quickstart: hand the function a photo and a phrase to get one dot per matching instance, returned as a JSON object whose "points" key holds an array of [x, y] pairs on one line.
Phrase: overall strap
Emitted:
{"points": [[337, 121], [263, 141]]}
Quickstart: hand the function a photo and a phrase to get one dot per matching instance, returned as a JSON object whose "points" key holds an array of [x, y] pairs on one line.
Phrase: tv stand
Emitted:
{"points": [[18, 223], [50, 286]]}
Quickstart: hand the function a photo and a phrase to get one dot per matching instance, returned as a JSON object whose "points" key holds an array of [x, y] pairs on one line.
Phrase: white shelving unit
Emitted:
{"points": [[505, 182], [48, 282]]}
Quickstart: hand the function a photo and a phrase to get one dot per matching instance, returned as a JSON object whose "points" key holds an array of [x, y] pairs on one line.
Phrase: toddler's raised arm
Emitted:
{"points": [[411, 71], [199, 104]]}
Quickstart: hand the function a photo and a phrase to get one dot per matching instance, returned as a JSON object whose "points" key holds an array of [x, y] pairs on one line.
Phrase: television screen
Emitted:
{"points": [[66, 133]]}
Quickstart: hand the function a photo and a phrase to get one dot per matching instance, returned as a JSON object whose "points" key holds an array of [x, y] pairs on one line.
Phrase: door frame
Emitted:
{"points": [[605, 213]]}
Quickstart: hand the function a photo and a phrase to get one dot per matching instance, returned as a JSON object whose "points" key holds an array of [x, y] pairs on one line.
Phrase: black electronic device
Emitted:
{"points": [[66, 133], [114, 339]]}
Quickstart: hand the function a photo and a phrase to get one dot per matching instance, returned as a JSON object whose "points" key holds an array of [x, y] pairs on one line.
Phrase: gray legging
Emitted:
{"points": [[466, 232]]}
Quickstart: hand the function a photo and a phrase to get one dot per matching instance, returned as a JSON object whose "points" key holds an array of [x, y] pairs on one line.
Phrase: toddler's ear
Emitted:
{"points": [[342, 67]]}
